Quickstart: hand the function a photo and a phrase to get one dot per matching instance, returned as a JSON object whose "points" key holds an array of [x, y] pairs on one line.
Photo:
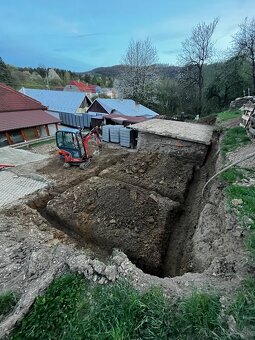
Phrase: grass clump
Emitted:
{"points": [[199, 317], [232, 175], [243, 307], [247, 195], [245, 211], [226, 115], [74, 309], [233, 138], [53, 313], [7, 301]]}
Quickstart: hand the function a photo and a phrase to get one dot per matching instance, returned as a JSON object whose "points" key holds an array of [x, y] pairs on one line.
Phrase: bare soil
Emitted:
{"points": [[147, 204], [113, 214]]}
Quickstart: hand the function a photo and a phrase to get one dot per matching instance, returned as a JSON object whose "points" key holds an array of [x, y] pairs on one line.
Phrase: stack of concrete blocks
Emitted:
{"points": [[125, 137], [106, 133], [115, 133]]}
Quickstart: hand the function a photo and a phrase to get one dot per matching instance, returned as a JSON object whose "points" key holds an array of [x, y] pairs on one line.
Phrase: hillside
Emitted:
{"points": [[113, 71]]}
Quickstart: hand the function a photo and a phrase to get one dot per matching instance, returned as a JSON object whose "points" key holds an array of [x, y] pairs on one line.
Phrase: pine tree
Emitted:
{"points": [[5, 74]]}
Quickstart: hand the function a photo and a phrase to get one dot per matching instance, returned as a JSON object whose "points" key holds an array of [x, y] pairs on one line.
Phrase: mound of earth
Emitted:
{"points": [[113, 214], [168, 176]]}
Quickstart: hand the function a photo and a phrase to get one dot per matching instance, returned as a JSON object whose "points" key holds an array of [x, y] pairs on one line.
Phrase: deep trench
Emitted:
{"points": [[177, 258]]}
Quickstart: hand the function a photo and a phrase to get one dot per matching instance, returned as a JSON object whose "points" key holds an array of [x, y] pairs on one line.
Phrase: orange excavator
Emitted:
{"points": [[73, 146]]}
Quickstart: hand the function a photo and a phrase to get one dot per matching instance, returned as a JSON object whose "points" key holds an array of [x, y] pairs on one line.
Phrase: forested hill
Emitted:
{"points": [[114, 71]]}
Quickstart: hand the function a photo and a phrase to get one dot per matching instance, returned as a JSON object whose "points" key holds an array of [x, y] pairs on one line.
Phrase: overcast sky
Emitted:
{"points": [[80, 35]]}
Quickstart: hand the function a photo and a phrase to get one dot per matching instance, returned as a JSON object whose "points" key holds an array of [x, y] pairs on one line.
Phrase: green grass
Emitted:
{"points": [[233, 138], [243, 307], [36, 144], [246, 211], [74, 309], [43, 142], [226, 115], [232, 175], [7, 302], [247, 195]]}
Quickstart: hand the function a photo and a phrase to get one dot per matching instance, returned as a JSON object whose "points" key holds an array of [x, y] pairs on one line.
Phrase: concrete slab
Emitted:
{"points": [[18, 157], [197, 133], [13, 186]]}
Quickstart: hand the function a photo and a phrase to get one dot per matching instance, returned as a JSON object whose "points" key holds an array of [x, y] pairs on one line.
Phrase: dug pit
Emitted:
{"points": [[113, 214], [146, 204], [143, 204]]}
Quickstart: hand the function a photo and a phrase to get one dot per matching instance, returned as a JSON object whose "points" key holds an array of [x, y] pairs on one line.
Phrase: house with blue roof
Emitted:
{"points": [[59, 102], [121, 110]]}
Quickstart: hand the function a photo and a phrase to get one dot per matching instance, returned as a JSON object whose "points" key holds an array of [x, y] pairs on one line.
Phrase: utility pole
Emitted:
{"points": [[47, 80]]}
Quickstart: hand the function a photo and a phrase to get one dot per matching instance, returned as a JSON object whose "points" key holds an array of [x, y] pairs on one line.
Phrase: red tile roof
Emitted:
{"points": [[11, 100], [91, 88], [12, 120], [19, 111], [81, 86]]}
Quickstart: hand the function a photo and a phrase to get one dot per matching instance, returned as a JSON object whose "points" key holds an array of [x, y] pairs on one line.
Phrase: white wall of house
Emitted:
{"points": [[43, 131], [52, 129]]}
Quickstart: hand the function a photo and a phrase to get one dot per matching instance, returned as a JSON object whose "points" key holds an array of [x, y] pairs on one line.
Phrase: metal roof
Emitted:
{"points": [[58, 101], [126, 107]]}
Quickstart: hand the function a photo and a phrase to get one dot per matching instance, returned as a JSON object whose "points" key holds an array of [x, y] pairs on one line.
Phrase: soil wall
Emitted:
{"points": [[192, 152]]}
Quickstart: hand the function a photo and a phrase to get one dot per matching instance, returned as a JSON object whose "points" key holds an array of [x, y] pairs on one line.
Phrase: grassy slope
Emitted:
{"points": [[226, 115], [234, 138], [74, 309]]}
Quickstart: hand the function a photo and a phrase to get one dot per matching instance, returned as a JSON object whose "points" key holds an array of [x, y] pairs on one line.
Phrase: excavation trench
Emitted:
{"points": [[147, 205]]}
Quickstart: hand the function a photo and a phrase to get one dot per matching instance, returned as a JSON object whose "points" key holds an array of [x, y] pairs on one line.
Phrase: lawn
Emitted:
{"points": [[226, 115], [234, 138]]}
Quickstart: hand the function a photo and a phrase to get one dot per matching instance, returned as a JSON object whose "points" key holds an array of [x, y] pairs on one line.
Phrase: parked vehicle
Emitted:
{"points": [[73, 146]]}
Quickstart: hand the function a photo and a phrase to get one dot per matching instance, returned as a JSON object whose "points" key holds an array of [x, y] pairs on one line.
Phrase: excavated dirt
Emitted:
{"points": [[146, 204], [112, 214], [168, 176], [124, 207]]}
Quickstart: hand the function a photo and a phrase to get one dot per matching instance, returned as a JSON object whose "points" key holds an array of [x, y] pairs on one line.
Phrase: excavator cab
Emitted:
{"points": [[70, 140], [73, 146]]}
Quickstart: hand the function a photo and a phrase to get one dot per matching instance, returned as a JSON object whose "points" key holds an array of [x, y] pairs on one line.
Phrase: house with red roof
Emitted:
{"points": [[91, 90], [23, 118]]}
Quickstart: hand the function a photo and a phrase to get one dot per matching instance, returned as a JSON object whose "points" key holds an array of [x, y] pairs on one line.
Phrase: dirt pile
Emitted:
{"points": [[168, 176], [113, 214]]}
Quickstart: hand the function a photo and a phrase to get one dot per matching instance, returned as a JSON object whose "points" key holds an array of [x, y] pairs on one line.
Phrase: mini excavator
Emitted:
{"points": [[73, 146]]}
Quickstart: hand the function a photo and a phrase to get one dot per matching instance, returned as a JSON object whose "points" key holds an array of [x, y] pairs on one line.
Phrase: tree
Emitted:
{"points": [[228, 83], [244, 44], [138, 73], [168, 101], [196, 50], [5, 74], [66, 77]]}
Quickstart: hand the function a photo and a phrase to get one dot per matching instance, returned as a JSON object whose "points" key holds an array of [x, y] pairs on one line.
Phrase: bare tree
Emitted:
{"points": [[244, 43], [196, 50], [138, 75]]}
